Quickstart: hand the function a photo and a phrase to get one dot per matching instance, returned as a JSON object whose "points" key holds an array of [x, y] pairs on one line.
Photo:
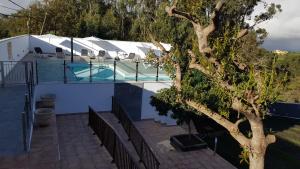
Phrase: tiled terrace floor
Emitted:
{"points": [[158, 136], [79, 148]]}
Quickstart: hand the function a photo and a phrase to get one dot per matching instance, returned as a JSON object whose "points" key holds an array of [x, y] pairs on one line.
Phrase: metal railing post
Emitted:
{"points": [[216, 144], [136, 70], [26, 72], [36, 73], [157, 67], [114, 149], [115, 65], [141, 153], [65, 75], [24, 131], [91, 71], [72, 54], [112, 105], [27, 108], [129, 132], [2, 74]]}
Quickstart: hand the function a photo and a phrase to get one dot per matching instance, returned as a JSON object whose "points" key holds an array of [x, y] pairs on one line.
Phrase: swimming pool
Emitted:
{"points": [[125, 71]]}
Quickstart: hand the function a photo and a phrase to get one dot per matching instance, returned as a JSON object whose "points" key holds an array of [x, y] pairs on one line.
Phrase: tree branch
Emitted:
{"points": [[231, 127], [178, 77], [242, 33], [238, 122], [246, 110], [245, 31], [270, 138], [166, 54], [172, 11], [194, 65], [156, 43], [212, 26], [218, 7]]}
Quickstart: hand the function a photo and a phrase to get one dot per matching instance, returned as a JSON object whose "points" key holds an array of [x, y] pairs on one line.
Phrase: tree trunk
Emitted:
{"points": [[258, 145], [256, 161]]}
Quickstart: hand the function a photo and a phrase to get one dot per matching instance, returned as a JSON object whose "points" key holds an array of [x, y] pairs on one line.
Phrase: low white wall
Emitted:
{"points": [[75, 98], [20, 47], [148, 111]]}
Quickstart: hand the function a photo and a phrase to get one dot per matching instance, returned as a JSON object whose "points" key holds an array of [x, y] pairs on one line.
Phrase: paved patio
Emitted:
{"points": [[158, 135], [79, 148], [70, 144]]}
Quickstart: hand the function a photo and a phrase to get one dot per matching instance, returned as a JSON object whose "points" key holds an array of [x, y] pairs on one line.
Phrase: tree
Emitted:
{"points": [[212, 40]]}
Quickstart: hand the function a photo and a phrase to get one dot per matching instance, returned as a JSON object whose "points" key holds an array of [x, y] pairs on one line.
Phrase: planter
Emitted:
{"points": [[43, 116], [186, 142], [45, 104], [48, 97]]}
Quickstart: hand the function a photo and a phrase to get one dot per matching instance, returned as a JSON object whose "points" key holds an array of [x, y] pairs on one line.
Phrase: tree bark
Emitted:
{"points": [[256, 161], [258, 145]]}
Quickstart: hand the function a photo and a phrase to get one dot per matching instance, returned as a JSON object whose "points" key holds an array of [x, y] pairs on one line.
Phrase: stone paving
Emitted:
{"points": [[79, 148], [158, 135], [70, 144], [11, 107]]}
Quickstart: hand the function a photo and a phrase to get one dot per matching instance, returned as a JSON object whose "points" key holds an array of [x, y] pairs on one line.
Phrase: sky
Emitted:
{"points": [[283, 29], [23, 3]]}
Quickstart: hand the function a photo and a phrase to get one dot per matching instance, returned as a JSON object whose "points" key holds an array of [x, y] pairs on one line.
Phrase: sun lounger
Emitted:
{"points": [[84, 52], [39, 52], [133, 57], [59, 53]]}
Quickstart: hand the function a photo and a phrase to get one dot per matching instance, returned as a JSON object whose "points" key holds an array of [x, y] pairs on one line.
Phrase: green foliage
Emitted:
{"points": [[101, 18], [250, 72], [244, 156], [165, 102]]}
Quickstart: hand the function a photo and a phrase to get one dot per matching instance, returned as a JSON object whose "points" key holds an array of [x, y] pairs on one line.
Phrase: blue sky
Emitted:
{"points": [[283, 29]]}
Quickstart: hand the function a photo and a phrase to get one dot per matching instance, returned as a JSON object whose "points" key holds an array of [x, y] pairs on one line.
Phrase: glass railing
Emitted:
{"points": [[96, 71]]}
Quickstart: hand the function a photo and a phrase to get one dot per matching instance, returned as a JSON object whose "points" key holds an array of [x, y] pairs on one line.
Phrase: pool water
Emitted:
{"points": [[105, 72]]}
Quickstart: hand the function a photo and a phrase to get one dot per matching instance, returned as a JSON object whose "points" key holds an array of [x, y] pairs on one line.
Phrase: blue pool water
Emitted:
{"points": [[105, 72]]}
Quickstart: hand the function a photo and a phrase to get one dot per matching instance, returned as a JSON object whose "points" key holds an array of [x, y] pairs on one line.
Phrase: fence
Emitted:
{"points": [[111, 141], [28, 114], [15, 72], [142, 148], [94, 71], [21, 72]]}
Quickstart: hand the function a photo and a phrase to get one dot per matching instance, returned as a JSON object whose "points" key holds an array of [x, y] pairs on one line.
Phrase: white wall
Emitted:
{"points": [[148, 111], [20, 47], [75, 98]]}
